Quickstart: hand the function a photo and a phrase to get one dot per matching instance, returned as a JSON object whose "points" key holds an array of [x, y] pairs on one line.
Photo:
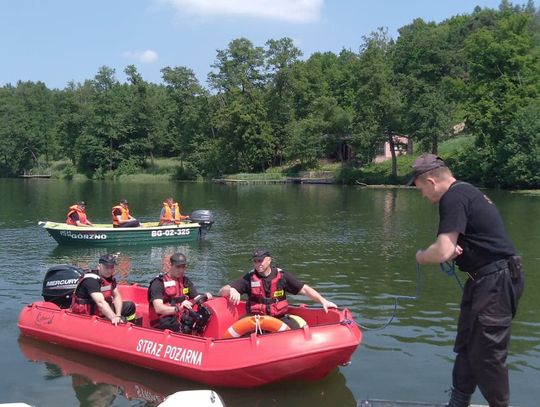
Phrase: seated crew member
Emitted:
{"points": [[97, 294], [122, 218], [170, 213], [169, 295], [266, 287], [77, 215]]}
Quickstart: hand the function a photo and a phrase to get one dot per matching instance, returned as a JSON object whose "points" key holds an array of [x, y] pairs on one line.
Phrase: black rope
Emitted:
{"points": [[396, 301], [448, 267]]}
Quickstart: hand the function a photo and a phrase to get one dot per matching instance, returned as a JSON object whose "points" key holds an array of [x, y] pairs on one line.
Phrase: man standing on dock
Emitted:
{"points": [[472, 232]]}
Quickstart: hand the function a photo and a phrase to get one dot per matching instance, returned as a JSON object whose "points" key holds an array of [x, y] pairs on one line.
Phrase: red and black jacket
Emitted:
{"points": [[174, 292], [271, 301], [88, 306]]}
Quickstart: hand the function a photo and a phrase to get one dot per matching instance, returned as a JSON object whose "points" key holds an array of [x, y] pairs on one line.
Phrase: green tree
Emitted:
{"points": [[504, 81], [378, 104], [186, 117], [281, 56], [424, 62], [240, 119], [98, 145]]}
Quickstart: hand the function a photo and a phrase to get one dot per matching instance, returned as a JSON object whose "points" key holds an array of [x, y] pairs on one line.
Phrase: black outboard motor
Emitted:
{"points": [[205, 218], [59, 284]]}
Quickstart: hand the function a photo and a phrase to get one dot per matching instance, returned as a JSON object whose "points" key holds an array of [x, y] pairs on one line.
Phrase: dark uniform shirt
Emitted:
{"points": [[482, 235], [74, 216], [88, 286], [157, 289], [292, 284]]}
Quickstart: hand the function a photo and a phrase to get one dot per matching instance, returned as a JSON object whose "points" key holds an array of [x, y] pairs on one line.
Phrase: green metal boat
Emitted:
{"points": [[148, 233]]}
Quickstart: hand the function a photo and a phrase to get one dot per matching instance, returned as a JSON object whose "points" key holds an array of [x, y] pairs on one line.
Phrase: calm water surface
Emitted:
{"points": [[356, 246]]}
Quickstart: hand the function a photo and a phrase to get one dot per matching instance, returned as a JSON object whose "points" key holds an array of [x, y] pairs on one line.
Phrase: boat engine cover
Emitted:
{"points": [[204, 218], [60, 282]]}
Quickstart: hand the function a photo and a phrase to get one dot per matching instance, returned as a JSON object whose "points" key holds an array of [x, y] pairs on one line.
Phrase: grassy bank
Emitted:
{"points": [[169, 169], [156, 170]]}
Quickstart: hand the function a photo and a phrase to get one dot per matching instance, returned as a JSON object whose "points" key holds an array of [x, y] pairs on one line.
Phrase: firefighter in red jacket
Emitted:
{"points": [[170, 294], [77, 215], [97, 294], [266, 287]]}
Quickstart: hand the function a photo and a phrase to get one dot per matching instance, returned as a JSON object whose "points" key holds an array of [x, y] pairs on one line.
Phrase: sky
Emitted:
{"points": [[62, 41]]}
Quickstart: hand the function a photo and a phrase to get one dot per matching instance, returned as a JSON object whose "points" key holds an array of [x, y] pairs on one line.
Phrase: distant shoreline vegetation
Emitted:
{"points": [[268, 111]]}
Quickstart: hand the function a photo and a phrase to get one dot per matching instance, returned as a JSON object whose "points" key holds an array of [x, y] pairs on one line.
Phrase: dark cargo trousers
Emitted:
{"points": [[488, 305]]}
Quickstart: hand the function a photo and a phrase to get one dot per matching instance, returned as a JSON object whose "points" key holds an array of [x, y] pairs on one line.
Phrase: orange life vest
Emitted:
{"points": [[88, 306], [124, 214], [174, 292], [168, 216], [81, 212], [272, 302]]}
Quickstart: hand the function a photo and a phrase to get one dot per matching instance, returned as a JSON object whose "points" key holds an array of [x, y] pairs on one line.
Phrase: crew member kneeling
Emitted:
{"points": [[266, 287], [97, 294], [169, 295]]}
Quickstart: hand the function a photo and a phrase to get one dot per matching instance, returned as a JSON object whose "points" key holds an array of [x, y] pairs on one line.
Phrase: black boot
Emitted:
{"points": [[459, 399]]}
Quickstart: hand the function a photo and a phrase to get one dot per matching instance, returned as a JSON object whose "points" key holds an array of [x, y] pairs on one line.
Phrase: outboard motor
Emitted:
{"points": [[205, 218], [59, 284]]}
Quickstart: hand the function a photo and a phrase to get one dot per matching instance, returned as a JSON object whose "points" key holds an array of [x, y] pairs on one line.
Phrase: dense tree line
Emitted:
{"points": [[265, 106]]}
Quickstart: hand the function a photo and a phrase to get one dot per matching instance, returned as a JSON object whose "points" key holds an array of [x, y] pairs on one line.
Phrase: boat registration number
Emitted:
{"points": [[170, 232]]}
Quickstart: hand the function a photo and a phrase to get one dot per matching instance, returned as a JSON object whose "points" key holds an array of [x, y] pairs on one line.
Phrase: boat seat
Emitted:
{"points": [[223, 316]]}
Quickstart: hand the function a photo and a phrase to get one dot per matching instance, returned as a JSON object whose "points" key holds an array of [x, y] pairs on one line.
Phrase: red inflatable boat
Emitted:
{"points": [[325, 342]]}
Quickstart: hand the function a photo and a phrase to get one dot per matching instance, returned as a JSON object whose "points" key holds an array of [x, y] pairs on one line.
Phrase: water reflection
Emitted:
{"points": [[134, 264], [99, 382]]}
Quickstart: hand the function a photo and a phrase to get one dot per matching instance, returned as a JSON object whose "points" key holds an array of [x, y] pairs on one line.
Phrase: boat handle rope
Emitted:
{"points": [[447, 267], [258, 329]]}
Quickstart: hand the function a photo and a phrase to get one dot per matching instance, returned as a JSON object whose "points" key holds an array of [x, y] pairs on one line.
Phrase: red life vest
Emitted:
{"points": [[81, 212], [88, 306], [174, 292], [124, 215], [272, 302]]}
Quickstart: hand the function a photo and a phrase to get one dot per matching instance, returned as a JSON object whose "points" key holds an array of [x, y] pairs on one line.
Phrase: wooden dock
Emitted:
{"points": [[35, 176]]}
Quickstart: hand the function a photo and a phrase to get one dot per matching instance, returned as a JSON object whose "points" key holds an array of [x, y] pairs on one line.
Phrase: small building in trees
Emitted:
{"points": [[402, 145]]}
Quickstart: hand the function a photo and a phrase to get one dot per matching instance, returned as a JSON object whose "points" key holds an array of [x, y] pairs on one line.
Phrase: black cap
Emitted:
{"points": [[259, 254], [124, 201], [81, 203], [426, 162], [108, 259], [178, 259]]}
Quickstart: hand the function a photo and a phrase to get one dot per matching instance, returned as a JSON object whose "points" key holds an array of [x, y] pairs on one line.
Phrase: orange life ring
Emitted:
{"points": [[250, 323]]}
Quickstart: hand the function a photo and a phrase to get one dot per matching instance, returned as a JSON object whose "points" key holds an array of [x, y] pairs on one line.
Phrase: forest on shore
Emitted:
{"points": [[266, 107]]}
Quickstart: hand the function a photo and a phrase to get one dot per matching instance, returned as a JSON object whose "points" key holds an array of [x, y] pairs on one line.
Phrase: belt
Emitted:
{"points": [[489, 268]]}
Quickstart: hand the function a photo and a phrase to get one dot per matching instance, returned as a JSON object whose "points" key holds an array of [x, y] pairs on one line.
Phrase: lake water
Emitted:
{"points": [[356, 246]]}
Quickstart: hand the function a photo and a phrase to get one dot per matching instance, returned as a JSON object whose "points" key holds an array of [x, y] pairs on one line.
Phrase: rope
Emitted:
{"points": [[448, 267], [396, 301], [258, 329]]}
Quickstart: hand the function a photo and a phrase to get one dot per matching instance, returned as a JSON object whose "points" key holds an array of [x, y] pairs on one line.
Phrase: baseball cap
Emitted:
{"points": [[124, 201], [426, 162], [259, 254], [108, 259], [81, 203], [178, 259]]}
